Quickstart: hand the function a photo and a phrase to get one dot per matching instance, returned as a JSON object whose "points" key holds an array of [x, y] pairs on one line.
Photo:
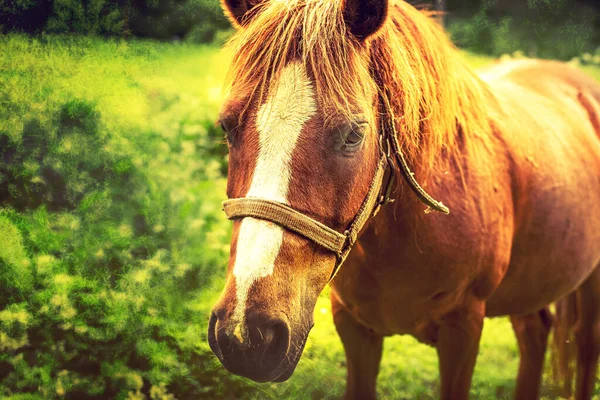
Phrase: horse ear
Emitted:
{"points": [[365, 17], [239, 12]]}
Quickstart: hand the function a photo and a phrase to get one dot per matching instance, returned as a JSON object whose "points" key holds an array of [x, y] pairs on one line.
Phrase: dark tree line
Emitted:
{"points": [[162, 19], [510, 6], [202, 19], [539, 16]]}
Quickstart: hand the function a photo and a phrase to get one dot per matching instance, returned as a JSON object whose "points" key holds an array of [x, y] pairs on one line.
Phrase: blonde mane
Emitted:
{"points": [[437, 103]]}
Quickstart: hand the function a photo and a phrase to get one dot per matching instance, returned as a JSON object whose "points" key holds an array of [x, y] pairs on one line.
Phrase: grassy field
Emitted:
{"points": [[152, 107]]}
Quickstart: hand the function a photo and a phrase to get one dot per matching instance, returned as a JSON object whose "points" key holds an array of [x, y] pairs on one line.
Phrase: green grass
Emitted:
{"points": [[152, 107]]}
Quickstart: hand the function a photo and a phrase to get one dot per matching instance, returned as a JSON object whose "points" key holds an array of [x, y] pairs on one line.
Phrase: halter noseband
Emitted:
{"points": [[326, 237]]}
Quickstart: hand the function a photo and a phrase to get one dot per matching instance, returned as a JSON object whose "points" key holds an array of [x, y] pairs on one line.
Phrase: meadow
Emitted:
{"points": [[113, 246]]}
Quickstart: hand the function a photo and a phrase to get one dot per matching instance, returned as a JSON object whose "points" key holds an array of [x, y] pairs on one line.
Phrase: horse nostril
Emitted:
{"points": [[275, 333], [212, 335], [268, 336], [271, 334]]}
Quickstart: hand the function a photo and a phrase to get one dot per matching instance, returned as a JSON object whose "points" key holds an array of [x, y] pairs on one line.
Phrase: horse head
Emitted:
{"points": [[302, 130]]}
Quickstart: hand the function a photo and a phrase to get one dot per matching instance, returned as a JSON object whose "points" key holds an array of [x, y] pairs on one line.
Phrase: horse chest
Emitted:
{"points": [[403, 278], [392, 300]]}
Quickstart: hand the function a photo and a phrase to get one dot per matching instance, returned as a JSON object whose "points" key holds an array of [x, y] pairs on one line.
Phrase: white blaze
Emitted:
{"points": [[279, 123]]}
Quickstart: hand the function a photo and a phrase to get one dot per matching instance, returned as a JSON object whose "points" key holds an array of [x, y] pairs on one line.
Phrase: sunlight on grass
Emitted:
{"points": [[146, 74], [408, 370]]}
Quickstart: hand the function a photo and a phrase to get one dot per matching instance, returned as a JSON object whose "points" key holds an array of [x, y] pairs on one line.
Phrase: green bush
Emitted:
{"points": [[160, 19], [97, 282], [544, 29], [92, 17], [110, 226], [24, 15], [197, 20]]}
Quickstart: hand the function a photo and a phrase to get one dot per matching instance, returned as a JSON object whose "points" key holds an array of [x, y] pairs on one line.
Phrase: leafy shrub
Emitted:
{"points": [[197, 20], [546, 29], [161, 19], [96, 286], [95, 17], [110, 230], [24, 15], [92, 17]]}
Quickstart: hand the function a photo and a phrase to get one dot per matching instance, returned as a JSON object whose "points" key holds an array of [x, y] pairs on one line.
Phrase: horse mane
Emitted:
{"points": [[438, 105]]}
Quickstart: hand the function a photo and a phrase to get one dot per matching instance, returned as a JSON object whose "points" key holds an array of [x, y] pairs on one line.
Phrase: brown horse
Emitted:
{"points": [[328, 101]]}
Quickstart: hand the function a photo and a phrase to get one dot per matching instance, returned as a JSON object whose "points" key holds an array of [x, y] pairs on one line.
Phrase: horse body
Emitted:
{"points": [[556, 185], [523, 233], [515, 152]]}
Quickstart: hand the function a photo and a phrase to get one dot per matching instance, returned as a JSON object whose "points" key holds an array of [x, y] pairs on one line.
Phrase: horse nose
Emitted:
{"points": [[260, 331], [253, 348]]}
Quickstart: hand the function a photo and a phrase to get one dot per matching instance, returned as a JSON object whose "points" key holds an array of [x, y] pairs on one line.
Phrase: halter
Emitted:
{"points": [[339, 243]]}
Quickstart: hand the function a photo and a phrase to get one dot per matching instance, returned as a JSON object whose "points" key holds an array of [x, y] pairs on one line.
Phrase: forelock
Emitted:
{"points": [[312, 32]]}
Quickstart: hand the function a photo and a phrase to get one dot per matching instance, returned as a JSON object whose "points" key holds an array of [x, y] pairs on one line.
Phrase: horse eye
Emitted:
{"points": [[350, 137], [224, 126], [354, 138], [227, 129]]}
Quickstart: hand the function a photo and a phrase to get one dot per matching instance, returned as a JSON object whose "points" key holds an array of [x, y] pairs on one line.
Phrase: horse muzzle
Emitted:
{"points": [[257, 348]]}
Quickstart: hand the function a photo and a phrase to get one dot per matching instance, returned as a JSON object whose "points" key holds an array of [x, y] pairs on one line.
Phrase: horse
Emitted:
{"points": [[336, 114]]}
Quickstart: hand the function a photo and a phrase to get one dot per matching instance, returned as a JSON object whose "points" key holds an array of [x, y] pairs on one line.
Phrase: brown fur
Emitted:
{"points": [[514, 152]]}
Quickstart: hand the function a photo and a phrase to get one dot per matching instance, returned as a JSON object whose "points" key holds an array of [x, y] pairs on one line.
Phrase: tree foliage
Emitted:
{"points": [[489, 26], [162, 19], [559, 29]]}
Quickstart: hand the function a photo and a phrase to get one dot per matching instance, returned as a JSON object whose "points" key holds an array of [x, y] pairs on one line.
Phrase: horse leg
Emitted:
{"points": [[532, 336], [457, 347], [587, 335], [363, 350]]}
